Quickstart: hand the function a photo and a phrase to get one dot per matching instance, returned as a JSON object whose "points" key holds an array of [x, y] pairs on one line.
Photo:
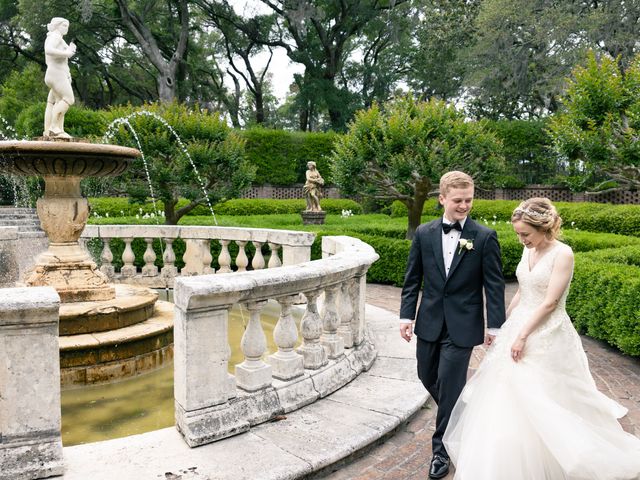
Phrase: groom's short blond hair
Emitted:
{"points": [[454, 179]]}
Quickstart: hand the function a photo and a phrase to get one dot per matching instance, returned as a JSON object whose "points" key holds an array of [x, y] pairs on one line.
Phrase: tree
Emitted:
{"points": [[214, 169], [165, 45], [598, 130], [400, 152]]}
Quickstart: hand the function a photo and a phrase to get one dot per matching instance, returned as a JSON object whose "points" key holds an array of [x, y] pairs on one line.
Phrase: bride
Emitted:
{"points": [[532, 410]]}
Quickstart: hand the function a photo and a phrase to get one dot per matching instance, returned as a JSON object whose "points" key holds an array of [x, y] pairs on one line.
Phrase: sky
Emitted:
{"points": [[281, 68]]}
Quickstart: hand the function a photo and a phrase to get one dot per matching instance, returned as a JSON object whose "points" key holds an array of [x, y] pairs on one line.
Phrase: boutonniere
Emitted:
{"points": [[465, 244]]}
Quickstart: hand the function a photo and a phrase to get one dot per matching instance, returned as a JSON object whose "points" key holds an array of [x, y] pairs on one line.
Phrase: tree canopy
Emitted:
{"points": [[400, 151]]}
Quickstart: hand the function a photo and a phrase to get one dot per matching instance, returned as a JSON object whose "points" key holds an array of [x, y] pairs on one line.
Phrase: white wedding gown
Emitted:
{"points": [[543, 417]]}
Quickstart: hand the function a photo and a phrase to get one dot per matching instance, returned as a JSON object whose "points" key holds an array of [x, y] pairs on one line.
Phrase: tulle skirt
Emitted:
{"points": [[541, 418]]}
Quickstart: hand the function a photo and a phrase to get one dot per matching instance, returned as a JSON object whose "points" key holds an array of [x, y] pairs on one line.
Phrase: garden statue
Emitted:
{"points": [[311, 188], [57, 78]]}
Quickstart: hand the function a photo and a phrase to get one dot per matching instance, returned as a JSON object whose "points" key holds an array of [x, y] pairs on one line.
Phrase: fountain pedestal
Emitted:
{"points": [[66, 266], [63, 212]]}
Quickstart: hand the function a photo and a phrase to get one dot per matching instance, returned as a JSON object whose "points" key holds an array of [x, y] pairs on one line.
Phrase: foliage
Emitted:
{"points": [[593, 217], [612, 314], [216, 151], [401, 151], [110, 207], [281, 157], [526, 148], [21, 89], [598, 129]]}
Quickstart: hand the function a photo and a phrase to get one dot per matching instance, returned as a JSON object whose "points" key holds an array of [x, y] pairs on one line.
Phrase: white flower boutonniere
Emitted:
{"points": [[465, 244]]}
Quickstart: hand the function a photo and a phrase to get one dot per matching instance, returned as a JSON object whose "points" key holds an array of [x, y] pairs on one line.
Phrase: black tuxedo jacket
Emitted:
{"points": [[455, 300]]}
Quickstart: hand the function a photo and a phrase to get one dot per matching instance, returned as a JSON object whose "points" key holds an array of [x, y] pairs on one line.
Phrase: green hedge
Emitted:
{"points": [[604, 302], [590, 216], [281, 156], [257, 206], [122, 207]]}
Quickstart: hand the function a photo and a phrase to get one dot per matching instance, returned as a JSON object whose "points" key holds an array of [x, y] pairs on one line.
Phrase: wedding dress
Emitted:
{"points": [[543, 417]]}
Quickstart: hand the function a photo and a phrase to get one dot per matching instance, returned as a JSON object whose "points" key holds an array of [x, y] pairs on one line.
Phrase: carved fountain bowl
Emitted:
{"points": [[64, 159]]}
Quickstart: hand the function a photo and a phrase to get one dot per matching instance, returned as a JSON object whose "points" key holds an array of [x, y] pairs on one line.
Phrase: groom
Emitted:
{"points": [[452, 260]]}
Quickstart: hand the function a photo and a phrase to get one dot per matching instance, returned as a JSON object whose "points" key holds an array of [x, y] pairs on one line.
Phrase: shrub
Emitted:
{"points": [[281, 157], [611, 314], [258, 206], [78, 122]]}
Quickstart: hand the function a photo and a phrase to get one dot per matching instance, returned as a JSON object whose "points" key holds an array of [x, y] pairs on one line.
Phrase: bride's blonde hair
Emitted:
{"points": [[541, 214]]}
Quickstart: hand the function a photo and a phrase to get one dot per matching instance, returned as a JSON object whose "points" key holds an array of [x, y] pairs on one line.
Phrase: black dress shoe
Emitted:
{"points": [[439, 467]]}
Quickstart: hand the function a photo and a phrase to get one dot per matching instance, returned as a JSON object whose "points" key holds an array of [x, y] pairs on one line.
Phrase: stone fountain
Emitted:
{"points": [[106, 331]]}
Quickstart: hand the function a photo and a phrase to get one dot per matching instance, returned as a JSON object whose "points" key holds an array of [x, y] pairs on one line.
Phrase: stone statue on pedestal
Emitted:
{"points": [[57, 78], [311, 188]]}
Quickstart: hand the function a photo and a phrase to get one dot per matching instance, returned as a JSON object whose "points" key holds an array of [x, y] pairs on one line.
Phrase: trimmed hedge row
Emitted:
{"points": [[594, 217], [281, 156], [122, 207], [612, 314]]}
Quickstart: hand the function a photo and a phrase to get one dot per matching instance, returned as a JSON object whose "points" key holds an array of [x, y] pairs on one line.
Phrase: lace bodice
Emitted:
{"points": [[534, 283]]}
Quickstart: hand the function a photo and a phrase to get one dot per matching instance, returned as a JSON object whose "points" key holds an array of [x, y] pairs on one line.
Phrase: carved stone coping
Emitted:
{"points": [[281, 237], [211, 291]]}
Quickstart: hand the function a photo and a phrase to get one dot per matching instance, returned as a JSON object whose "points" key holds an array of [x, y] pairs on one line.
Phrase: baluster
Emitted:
{"points": [[313, 353], [253, 374], [358, 289], [257, 262], [128, 257], [192, 257], [346, 314], [207, 258], [286, 362], [169, 270], [106, 258], [330, 321], [149, 269], [241, 260], [224, 259], [274, 259]]}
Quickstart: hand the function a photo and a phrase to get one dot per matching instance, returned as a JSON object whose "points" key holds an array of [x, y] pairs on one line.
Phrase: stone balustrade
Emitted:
{"points": [[284, 248], [334, 348]]}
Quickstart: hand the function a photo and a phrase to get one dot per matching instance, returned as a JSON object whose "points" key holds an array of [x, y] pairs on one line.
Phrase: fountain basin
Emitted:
{"points": [[64, 158]]}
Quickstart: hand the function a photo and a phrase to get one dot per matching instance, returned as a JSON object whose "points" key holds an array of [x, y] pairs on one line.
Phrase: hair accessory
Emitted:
{"points": [[532, 213]]}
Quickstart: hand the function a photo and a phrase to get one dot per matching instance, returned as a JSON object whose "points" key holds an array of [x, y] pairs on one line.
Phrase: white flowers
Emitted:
{"points": [[347, 213], [465, 244]]}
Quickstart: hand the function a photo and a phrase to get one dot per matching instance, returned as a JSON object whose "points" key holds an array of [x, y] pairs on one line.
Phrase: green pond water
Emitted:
{"points": [[145, 402]]}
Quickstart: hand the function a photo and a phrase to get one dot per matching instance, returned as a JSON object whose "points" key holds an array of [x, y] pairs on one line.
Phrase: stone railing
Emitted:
{"points": [[284, 248], [330, 347], [210, 403]]}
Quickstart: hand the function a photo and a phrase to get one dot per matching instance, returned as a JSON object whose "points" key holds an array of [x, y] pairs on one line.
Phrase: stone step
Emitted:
{"points": [[10, 209], [106, 356]]}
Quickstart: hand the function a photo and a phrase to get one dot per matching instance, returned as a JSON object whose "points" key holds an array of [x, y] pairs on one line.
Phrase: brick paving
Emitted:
{"points": [[406, 454]]}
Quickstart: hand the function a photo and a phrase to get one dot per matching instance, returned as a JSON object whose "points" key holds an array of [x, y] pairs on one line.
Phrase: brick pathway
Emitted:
{"points": [[406, 454]]}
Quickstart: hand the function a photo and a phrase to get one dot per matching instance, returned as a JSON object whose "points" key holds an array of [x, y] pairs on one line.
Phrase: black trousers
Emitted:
{"points": [[442, 369]]}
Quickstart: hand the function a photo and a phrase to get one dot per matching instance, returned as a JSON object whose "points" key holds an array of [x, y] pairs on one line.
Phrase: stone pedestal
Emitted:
{"points": [[313, 218], [30, 443]]}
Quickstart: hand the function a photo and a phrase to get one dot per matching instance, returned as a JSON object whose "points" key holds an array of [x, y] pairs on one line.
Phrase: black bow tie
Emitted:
{"points": [[446, 227]]}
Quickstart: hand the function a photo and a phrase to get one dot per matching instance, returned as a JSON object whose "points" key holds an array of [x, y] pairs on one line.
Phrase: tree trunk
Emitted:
{"points": [[259, 105], [166, 82], [415, 214], [170, 217]]}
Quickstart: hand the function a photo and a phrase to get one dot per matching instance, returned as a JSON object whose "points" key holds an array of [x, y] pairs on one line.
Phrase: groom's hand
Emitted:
{"points": [[406, 331]]}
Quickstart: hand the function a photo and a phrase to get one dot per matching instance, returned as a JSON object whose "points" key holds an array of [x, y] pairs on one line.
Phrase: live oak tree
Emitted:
{"points": [[399, 152]]}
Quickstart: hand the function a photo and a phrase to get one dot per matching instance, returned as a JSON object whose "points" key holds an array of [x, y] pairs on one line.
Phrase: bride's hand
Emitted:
{"points": [[517, 349]]}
